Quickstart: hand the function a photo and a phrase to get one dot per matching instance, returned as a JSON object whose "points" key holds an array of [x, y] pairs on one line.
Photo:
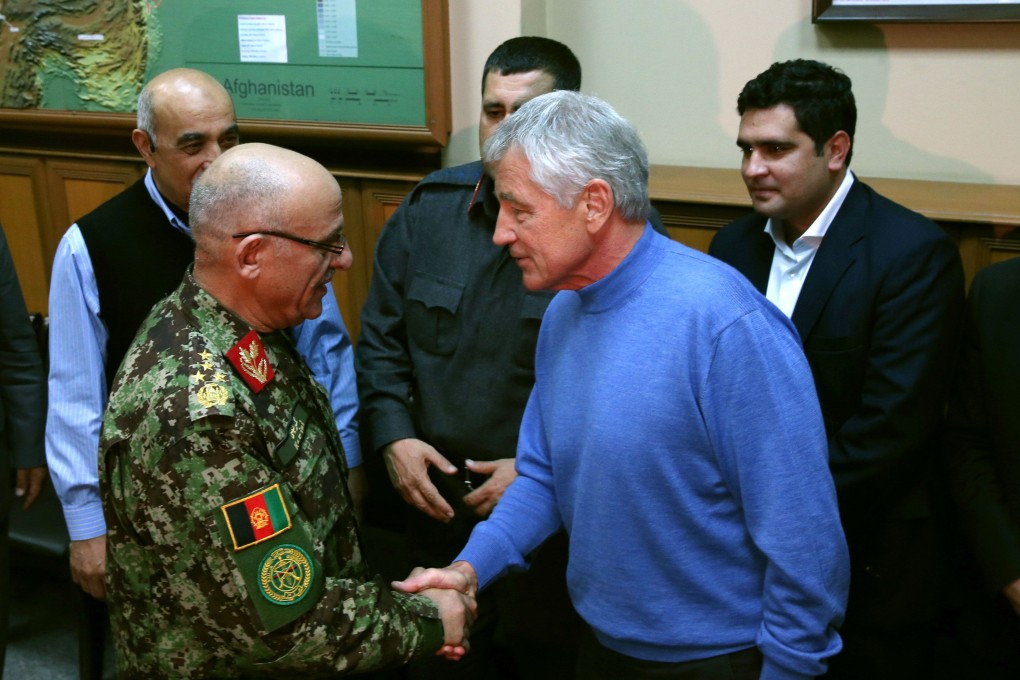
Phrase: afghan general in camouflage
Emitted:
{"points": [[233, 545]]}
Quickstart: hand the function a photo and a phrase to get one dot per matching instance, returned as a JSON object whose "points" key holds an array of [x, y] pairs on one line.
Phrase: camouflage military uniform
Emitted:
{"points": [[232, 546]]}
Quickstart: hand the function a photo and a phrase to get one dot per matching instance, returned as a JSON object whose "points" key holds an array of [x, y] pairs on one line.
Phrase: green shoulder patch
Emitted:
{"points": [[283, 579]]}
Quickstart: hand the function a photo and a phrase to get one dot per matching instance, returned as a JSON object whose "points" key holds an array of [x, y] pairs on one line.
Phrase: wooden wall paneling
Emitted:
{"points": [[695, 225], [25, 215], [1001, 250], [367, 204], [79, 186], [982, 244], [379, 200], [349, 286]]}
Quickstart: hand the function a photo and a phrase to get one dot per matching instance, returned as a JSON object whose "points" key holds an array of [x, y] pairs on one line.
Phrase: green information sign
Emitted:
{"points": [[329, 61]]}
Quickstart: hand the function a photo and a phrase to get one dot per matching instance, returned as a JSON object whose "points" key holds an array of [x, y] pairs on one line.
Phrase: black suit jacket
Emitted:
{"points": [[22, 382], [878, 316], [983, 437]]}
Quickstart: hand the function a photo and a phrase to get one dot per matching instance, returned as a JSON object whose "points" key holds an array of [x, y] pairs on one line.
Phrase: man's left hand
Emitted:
{"points": [[501, 472], [1012, 593], [28, 482]]}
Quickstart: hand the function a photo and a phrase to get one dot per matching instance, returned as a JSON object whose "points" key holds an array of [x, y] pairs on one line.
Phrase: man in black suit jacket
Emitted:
{"points": [[875, 291], [983, 443], [22, 416]]}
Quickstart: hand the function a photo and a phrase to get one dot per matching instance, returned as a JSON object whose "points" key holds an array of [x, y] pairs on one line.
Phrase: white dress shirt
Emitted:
{"points": [[790, 263]]}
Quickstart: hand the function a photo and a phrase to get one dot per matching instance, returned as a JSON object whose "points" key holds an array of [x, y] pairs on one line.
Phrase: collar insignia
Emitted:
{"points": [[249, 358]]}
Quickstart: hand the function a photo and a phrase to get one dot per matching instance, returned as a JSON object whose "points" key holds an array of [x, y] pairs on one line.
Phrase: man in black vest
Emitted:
{"points": [[113, 265]]}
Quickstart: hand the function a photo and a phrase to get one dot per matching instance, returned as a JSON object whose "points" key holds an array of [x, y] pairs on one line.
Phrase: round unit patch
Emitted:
{"points": [[285, 575]]}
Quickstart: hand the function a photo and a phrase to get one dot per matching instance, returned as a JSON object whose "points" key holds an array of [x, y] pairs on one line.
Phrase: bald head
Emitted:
{"points": [[185, 121], [173, 89], [255, 187], [268, 230]]}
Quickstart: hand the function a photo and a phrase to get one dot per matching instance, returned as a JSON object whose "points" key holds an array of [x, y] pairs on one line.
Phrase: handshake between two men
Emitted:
{"points": [[454, 590]]}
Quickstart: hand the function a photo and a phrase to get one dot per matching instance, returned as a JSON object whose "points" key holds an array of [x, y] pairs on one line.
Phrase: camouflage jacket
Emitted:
{"points": [[232, 547]]}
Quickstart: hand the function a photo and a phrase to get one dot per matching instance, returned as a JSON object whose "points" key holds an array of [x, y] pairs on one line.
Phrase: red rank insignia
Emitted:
{"points": [[249, 358]]}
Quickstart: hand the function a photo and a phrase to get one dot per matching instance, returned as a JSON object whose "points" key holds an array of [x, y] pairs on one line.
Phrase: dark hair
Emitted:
{"points": [[532, 53], [819, 95]]}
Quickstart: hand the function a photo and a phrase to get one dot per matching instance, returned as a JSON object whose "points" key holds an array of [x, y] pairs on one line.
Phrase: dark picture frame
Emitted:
{"points": [[823, 11]]}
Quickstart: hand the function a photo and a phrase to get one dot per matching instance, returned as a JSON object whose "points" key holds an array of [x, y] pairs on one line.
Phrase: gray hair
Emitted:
{"points": [[571, 138], [146, 115], [243, 195]]}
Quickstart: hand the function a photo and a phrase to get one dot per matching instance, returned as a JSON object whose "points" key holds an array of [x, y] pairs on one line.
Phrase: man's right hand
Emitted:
{"points": [[459, 576], [1012, 593], [454, 590], [88, 565], [457, 612], [408, 461]]}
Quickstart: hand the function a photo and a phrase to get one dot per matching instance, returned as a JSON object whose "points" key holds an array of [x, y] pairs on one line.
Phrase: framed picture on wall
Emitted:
{"points": [[916, 11], [331, 71]]}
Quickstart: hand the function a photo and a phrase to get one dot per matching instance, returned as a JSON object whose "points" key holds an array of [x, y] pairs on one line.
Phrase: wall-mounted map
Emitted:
{"points": [[336, 61]]}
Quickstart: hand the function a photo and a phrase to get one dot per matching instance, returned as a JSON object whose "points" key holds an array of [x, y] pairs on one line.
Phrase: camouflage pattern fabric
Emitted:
{"points": [[232, 548]]}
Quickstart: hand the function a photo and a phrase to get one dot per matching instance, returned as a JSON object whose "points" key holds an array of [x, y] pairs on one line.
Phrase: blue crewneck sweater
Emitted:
{"points": [[674, 431]]}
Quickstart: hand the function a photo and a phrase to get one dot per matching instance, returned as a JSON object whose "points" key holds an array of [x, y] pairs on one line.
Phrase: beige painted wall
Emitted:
{"points": [[476, 28], [935, 101]]}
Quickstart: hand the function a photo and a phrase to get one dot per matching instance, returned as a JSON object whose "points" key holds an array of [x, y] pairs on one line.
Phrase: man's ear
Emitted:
{"points": [[839, 148], [249, 255], [144, 145], [598, 202]]}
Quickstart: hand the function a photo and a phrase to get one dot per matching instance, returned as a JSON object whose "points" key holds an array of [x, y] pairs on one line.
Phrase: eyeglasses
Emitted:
{"points": [[336, 247]]}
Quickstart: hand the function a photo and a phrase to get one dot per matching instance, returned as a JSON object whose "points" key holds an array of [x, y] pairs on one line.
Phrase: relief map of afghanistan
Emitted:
{"points": [[327, 60], [88, 55]]}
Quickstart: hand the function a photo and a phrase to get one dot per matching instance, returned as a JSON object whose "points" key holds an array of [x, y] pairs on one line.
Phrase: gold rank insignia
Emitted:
{"points": [[211, 390], [212, 394], [248, 357]]}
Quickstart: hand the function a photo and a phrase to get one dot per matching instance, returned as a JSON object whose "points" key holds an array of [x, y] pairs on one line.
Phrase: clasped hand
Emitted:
{"points": [[454, 591], [408, 461]]}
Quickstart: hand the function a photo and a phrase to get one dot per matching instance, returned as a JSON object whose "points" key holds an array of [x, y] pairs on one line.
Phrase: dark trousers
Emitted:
{"points": [[896, 603], [6, 498], [597, 662], [5, 581]]}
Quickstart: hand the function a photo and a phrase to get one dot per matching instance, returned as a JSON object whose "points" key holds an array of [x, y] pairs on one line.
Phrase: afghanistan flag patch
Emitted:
{"points": [[256, 518]]}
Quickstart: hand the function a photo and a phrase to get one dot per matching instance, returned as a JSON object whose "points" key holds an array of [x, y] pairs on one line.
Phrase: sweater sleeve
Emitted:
{"points": [[760, 406], [527, 513]]}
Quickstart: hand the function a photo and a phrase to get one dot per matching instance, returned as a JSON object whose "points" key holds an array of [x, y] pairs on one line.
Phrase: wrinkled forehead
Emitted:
{"points": [[515, 89], [202, 112]]}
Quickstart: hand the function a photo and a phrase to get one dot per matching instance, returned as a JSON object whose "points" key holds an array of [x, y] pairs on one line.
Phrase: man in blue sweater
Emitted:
{"points": [[673, 429]]}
